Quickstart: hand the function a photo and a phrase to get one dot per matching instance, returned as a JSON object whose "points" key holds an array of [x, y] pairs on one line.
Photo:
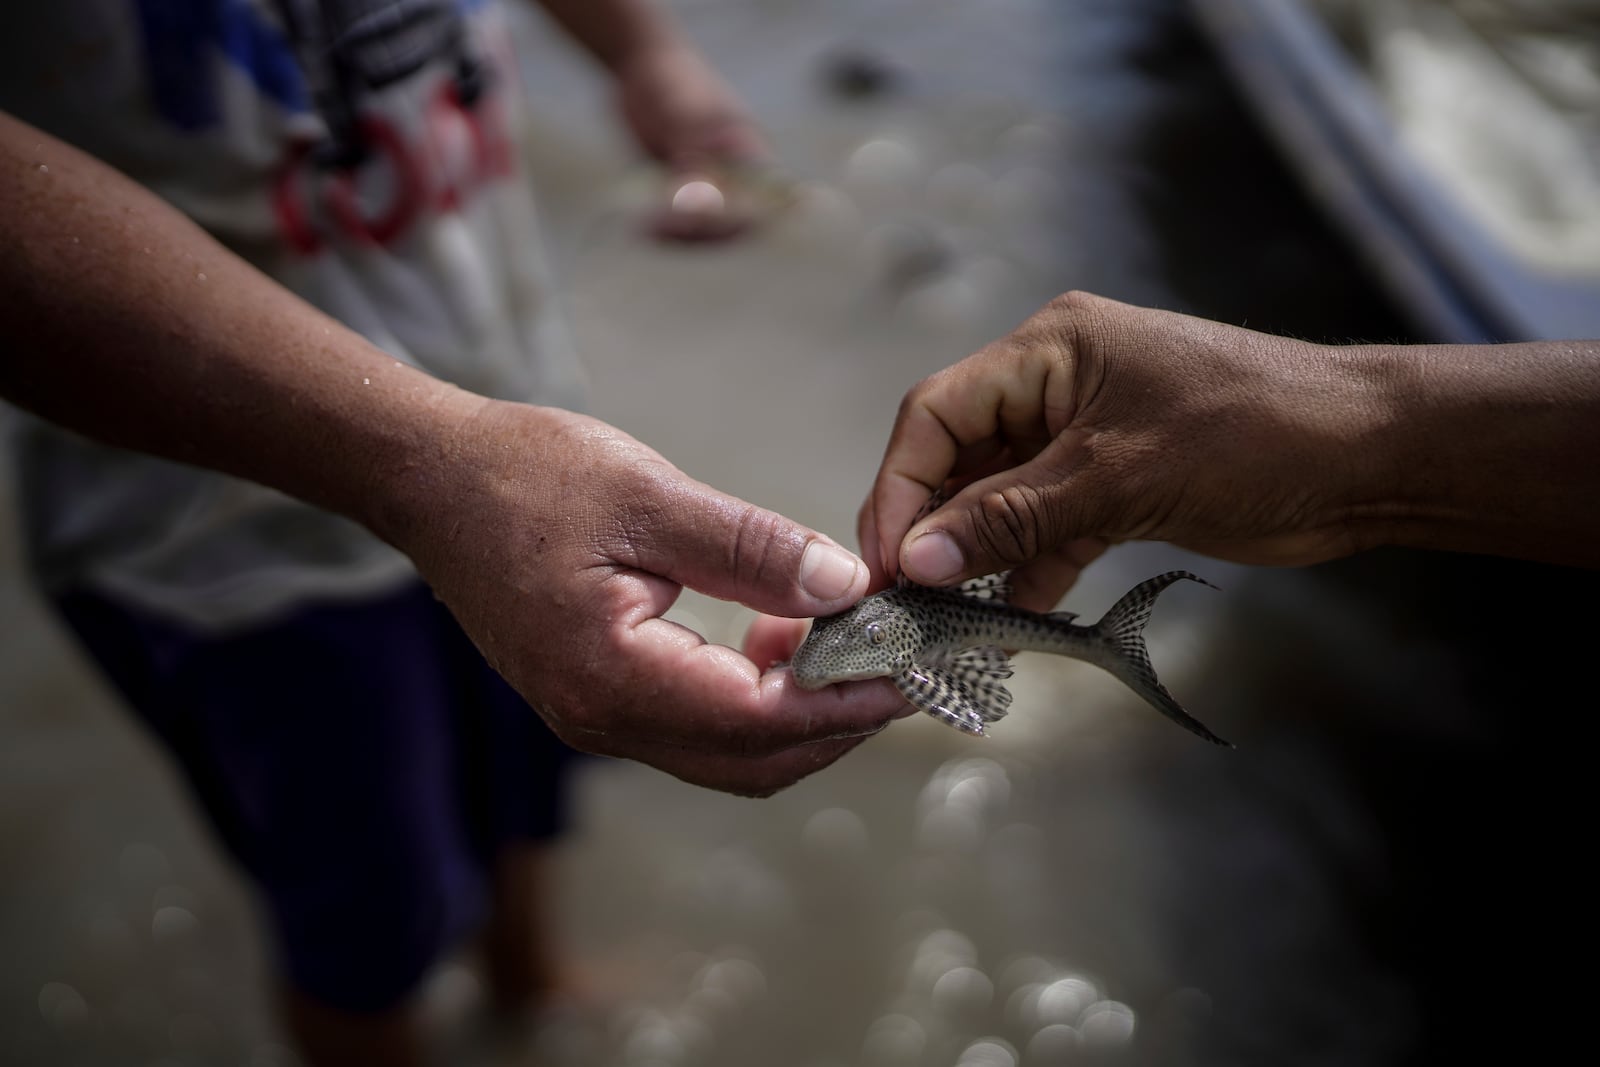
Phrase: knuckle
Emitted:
{"points": [[1077, 322], [919, 392], [757, 553], [1075, 301], [910, 402], [925, 398], [1009, 524]]}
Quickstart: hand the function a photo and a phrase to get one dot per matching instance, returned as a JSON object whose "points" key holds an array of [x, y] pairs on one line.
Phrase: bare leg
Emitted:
{"points": [[328, 1037], [519, 942], [519, 957]]}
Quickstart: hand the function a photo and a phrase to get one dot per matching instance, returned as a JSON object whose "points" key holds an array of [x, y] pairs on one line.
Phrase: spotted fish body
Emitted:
{"points": [[946, 650]]}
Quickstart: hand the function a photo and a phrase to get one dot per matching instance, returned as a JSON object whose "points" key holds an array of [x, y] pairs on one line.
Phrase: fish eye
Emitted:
{"points": [[875, 633]]}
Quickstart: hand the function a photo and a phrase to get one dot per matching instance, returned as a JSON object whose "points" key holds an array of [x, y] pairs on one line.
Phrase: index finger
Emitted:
{"points": [[960, 418]]}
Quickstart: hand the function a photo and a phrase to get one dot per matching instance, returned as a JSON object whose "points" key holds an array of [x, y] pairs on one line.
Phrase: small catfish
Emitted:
{"points": [[946, 649]]}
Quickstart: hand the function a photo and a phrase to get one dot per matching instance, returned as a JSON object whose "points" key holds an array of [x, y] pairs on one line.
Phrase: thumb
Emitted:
{"points": [[1005, 521], [733, 550]]}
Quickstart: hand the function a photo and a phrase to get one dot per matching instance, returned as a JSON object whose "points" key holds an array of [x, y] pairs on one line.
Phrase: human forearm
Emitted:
{"points": [[1491, 448], [1123, 423], [679, 110], [127, 323], [614, 31], [557, 541]]}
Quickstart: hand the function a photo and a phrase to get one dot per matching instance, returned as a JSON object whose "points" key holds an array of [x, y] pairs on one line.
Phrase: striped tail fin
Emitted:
{"points": [[1122, 631]]}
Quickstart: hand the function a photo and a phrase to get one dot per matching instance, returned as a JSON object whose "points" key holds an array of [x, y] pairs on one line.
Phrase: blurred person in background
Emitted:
{"points": [[387, 791]]}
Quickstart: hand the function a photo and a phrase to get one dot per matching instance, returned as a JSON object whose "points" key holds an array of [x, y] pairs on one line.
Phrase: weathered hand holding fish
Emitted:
{"points": [[945, 649], [1096, 422], [559, 542]]}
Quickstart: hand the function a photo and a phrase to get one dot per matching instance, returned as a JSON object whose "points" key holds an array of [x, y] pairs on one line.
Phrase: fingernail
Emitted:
{"points": [[934, 557], [827, 571]]}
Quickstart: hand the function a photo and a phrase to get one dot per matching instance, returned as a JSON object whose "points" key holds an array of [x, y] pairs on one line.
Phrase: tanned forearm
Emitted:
{"points": [[126, 322], [1492, 448], [613, 31], [1139, 424]]}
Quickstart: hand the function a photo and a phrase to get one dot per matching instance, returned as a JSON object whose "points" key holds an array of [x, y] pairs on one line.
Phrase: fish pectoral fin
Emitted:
{"points": [[984, 669], [986, 664], [967, 700]]}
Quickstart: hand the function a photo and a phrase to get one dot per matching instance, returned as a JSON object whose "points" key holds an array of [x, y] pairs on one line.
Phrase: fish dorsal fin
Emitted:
{"points": [[1063, 616], [995, 587], [963, 698], [934, 503]]}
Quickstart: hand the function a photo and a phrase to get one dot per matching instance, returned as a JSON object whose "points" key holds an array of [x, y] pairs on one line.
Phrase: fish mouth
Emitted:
{"points": [[806, 681], [810, 679]]}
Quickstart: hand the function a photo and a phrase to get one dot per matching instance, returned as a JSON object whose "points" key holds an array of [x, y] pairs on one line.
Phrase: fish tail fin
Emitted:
{"points": [[1122, 631]]}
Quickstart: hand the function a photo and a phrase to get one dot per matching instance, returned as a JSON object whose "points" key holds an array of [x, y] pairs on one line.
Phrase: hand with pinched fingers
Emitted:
{"points": [[1096, 422], [559, 543]]}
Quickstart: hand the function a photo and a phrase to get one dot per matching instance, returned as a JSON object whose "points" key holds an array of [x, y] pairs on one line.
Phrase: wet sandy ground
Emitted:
{"points": [[1351, 886]]}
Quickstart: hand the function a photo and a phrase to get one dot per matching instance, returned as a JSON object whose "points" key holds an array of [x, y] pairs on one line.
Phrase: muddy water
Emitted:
{"points": [[1089, 886]]}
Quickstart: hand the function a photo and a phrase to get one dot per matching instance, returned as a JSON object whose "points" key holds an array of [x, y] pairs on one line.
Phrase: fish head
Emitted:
{"points": [[873, 639]]}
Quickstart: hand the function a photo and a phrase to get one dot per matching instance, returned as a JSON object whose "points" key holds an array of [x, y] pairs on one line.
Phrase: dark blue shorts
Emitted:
{"points": [[361, 761]]}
